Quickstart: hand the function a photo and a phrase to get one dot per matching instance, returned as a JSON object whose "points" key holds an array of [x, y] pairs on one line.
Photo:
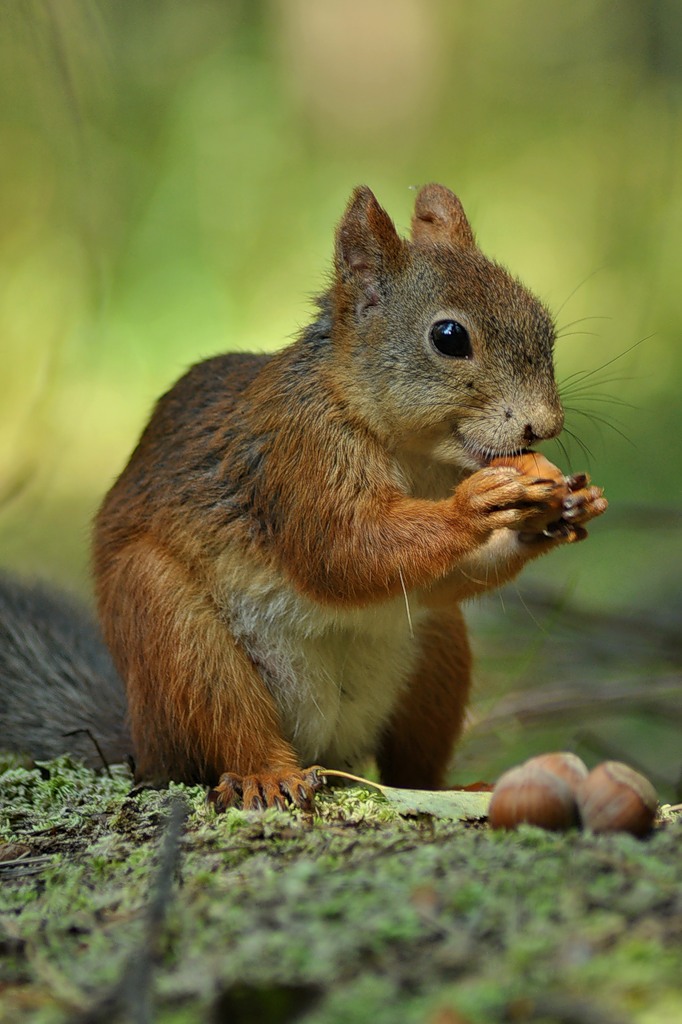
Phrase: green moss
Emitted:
{"points": [[357, 912]]}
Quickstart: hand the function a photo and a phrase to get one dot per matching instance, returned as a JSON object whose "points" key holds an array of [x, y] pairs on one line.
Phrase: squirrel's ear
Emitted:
{"points": [[367, 244], [439, 218]]}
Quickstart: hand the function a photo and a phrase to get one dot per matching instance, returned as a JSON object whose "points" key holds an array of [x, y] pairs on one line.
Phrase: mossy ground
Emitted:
{"points": [[351, 915]]}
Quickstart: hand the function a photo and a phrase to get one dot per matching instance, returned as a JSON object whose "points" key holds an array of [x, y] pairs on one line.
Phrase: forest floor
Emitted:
{"points": [[149, 907]]}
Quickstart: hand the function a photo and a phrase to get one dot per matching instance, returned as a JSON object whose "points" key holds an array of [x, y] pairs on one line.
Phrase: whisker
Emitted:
{"points": [[454, 406], [580, 320], [582, 375], [585, 396], [407, 603], [601, 419], [589, 455], [540, 625], [597, 383], [590, 414], [564, 451], [576, 334], [472, 579], [577, 288]]}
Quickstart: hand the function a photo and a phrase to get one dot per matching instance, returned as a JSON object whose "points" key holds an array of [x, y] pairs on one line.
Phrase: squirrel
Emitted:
{"points": [[280, 566]]}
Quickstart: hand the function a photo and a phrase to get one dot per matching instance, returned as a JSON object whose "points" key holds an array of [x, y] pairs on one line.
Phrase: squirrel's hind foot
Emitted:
{"points": [[267, 789]]}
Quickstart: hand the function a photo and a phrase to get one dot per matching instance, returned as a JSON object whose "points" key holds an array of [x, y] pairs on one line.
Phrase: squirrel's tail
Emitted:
{"points": [[59, 691]]}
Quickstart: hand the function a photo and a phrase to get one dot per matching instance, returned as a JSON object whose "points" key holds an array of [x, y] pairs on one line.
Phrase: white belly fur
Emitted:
{"points": [[335, 675]]}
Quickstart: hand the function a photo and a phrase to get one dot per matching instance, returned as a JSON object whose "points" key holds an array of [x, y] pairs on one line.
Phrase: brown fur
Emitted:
{"points": [[416, 749], [340, 470]]}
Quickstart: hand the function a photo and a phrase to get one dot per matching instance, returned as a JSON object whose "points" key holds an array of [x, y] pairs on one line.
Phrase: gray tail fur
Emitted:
{"points": [[59, 691]]}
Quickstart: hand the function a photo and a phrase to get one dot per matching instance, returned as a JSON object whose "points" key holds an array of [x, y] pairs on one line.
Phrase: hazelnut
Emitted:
{"points": [[567, 766], [615, 798], [533, 795], [532, 464]]}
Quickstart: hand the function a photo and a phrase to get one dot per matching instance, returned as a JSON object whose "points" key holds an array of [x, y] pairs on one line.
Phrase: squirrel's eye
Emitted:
{"points": [[450, 338]]}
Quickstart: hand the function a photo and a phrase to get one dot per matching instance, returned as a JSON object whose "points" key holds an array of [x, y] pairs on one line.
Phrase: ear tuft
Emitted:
{"points": [[439, 219], [367, 243]]}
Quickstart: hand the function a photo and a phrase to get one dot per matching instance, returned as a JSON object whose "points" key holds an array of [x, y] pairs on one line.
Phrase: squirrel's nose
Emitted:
{"points": [[546, 423], [529, 435]]}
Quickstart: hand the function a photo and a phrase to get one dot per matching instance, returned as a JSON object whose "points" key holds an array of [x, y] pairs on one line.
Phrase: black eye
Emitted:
{"points": [[450, 338]]}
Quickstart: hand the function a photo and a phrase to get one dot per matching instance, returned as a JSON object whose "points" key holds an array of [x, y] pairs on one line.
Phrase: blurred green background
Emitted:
{"points": [[170, 179]]}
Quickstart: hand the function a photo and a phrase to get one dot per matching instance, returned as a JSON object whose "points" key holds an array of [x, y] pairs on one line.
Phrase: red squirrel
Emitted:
{"points": [[280, 566]]}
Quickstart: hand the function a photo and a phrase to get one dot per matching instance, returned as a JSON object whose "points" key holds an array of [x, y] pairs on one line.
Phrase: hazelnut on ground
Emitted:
{"points": [[533, 795], [566, 765], [616, 798]]}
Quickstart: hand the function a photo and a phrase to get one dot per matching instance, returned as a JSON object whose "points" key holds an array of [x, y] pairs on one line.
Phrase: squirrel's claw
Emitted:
{"points": [[576, 509], [577, 481], [227, 793], [582, 505], [266, 789]]}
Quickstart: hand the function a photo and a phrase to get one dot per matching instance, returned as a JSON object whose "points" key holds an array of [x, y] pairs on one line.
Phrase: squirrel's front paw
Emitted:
{"points": [[267, 789], [503, 496], [581, 504], [572, 504]]}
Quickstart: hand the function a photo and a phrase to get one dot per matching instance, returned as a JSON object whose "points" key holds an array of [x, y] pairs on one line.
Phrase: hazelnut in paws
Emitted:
{"points": [[573, 504]]}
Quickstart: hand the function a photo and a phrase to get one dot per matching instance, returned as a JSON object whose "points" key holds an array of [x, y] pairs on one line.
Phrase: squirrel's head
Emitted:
{"points": [[444, 351]]}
